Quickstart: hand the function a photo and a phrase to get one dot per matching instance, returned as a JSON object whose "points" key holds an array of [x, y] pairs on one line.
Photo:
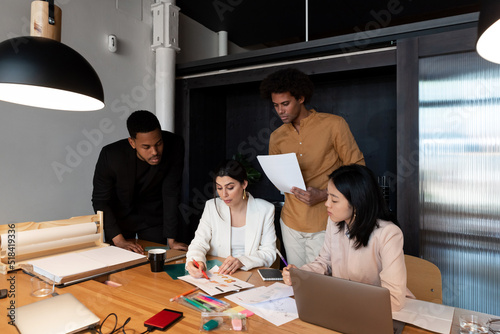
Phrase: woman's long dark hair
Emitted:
{"points": [[231, 168], [359, 186]]}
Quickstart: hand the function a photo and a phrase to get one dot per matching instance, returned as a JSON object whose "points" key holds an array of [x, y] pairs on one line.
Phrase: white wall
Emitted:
{"points": [[34, 141], [47, 157]]}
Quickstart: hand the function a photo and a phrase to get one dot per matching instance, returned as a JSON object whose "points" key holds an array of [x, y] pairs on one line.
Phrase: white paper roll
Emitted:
{"points": [[45, 235], [39, 247]]}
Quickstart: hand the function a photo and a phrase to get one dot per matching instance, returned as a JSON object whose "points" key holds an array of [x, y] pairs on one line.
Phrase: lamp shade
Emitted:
{"points": [[488, 31], [45, 73]]}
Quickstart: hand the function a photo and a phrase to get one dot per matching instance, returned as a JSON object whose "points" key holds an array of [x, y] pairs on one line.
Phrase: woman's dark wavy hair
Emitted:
{"points": [[231, 168], [287, 80], [359, 186]]}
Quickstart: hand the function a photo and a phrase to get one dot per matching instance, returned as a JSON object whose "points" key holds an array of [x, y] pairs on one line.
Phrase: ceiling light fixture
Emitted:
{"points": [[488, 31], [43, 72]]}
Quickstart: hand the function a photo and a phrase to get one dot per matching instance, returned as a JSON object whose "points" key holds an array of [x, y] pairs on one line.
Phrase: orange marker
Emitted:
{"points": [[183, 294], [203, 271]]}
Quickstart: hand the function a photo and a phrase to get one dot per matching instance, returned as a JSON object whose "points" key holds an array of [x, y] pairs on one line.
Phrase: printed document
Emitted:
{"points": [[276, 311], [434, 317], [283, 171]]}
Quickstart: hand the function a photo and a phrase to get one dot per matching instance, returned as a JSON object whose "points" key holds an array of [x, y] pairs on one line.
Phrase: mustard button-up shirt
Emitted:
{"points": [[323, 144]]}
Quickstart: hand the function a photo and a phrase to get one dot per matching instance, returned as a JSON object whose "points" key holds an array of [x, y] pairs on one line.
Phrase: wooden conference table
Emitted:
{"points": [[142, 293]]}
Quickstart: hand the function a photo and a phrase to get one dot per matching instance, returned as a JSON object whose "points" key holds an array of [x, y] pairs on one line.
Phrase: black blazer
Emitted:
{"points": [[115, 178]]}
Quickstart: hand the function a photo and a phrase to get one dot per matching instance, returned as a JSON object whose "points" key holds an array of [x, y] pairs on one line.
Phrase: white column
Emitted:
{"points": [[222, 43], [165, 88], [165, 44]]}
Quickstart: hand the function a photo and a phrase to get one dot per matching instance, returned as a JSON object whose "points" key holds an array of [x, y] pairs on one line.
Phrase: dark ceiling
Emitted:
{"points": [[280, 22]]}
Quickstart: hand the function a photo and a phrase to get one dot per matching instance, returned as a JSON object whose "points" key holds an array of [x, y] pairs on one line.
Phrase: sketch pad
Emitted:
{"points": [[218, 283], [59, 314]]}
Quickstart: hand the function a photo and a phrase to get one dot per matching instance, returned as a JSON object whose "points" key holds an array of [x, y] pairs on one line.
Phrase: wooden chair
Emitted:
{"points": [[424, 279]]}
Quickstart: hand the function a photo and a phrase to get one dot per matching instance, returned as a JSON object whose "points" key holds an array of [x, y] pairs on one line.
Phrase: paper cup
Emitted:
{"points": [[157, 258]]}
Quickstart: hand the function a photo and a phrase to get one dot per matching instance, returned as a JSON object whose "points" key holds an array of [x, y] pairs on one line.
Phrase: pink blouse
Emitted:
{"points": [[380, 263]]}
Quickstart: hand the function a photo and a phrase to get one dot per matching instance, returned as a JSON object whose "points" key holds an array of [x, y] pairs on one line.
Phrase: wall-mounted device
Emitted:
{"points": [[112, 43]]}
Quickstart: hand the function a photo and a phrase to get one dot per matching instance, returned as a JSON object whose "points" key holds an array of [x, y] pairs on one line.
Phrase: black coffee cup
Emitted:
{"points": [[156, 258]]}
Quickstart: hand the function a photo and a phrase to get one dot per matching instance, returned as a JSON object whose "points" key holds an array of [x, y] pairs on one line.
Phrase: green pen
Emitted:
{"points": [[204, 303], [199, 305]]}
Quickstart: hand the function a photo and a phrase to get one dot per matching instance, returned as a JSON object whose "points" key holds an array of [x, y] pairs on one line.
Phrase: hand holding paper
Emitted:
{"points": [[311, 196]]}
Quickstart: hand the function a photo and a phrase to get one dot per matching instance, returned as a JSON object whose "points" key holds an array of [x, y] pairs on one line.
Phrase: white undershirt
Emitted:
{"points": [[237, 241]]}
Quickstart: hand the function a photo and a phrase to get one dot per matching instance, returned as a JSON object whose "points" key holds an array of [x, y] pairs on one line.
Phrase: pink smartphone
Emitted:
{"points": [[163, 319]]}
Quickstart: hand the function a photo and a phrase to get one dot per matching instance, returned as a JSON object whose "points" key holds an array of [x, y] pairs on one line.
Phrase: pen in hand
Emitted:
{"points": [[282, 258], [203, 271]]}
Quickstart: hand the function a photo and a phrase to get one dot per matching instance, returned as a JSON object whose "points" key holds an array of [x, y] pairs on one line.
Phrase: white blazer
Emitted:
{"points": [[213, 235]]}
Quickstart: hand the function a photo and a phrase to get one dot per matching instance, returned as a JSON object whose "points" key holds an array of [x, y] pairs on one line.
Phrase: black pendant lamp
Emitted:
{"points": [[488, 31], [43, 72]]}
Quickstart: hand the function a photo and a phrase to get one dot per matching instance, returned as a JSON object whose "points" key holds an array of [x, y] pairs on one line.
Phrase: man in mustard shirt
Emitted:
{"points": [[322, 142]]}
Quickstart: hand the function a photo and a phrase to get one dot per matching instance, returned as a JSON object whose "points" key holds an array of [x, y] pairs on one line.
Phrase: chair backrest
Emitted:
{"points": [[424, 279]]}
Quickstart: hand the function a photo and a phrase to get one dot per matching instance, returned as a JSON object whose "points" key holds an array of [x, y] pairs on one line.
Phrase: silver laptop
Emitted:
{"points": [[62, 314], [342, 305]]}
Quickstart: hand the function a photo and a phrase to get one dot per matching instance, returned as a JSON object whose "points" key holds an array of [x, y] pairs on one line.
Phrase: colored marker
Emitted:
{"points": [[185, 303], [204, 303], [197, 303], [198, 306], [215, 300], [205, 300], [183, 294], [203, 271], [208, 300]]}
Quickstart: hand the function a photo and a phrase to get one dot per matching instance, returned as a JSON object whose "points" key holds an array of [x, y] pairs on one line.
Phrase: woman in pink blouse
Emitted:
{"points": [[363, 241]]}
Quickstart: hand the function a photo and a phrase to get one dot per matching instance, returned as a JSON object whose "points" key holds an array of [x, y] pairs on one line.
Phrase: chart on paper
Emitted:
{"points": [[217, 283]]}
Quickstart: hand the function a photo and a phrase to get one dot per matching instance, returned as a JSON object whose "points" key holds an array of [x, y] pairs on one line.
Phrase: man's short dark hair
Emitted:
{"points": [[142, 121], [287, 80]]}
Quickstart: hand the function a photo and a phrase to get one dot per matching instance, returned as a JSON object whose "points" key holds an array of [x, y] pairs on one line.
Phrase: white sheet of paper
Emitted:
{"points": [[217, 283], [265, 293], [434, 317], [277, 311], [59, 266], [112, 255], [283, 171]]}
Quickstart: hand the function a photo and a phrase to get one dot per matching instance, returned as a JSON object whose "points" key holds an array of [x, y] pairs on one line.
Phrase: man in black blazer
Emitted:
{"points": [[137, 183]]}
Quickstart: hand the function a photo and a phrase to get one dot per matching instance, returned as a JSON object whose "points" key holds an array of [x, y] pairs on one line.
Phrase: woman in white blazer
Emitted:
{"points": [[234, 225]]}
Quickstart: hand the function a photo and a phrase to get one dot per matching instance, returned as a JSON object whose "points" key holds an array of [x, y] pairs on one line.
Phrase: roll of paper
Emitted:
{"points": [[45, 246], [44, 235]]}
